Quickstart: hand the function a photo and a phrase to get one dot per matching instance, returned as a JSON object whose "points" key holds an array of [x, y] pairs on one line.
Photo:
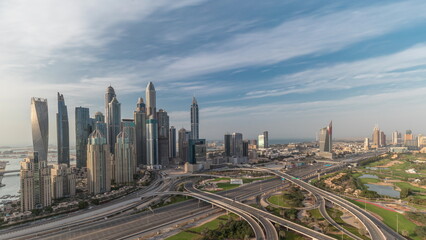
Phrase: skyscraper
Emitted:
{"points": [[366, 144], [261, 141], [237, 145], [40, 127], [36, 191], [194, 120], [395, 138], [183, 141], [98, 122], [376, 137], [266, 139], [382, 139], [98, 164], [172, 142], [245, 148], [83, 128], [151, 128], [125, 154], [139, 116], [197, 151], [62, 129], [326, 139], [163, 137], [114, 119], [227, 144]]}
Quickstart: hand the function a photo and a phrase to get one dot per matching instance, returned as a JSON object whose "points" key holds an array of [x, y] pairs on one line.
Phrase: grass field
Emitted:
{"points": [[390, 219], [195, 232], [315, 213], [408, 185], [336, 215], [282, 200], [369, 180]]}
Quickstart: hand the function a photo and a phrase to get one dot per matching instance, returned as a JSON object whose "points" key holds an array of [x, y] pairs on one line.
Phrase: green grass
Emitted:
{"points": [[173, 199], [336, 215], [369, 180], [315, 213], [184, 236], [227, 186], [195, 232], [220, 179], [408, 185], [249, 180], [281, 200], [389, 218]]}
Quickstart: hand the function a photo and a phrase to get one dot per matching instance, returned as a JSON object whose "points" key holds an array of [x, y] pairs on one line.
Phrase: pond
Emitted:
{"points": [[383, 190], [369, 176]]}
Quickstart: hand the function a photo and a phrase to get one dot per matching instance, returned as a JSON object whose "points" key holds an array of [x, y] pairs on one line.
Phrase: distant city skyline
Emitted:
{"points": [[288, 67]]}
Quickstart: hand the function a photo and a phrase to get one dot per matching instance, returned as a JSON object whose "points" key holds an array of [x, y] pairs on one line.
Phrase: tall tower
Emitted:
{"points": [[62, 129], [325, 139], [376, 137], [98, 164], [163, 137], [172, 142], [194, 119], [266, 139], [151, 128], [227, 145], [183, 140], [35, 183], [114, 119], [109, 95], [237, 145], [139, 116], [125, 154], [40, 127], [83, 128]]}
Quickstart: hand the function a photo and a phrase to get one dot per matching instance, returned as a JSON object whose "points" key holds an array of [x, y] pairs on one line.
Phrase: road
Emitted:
{"points": [[376, 228], [257, 212], [147, 222]]}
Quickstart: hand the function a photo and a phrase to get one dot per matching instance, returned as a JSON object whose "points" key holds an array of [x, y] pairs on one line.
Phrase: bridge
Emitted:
{"points": [[2, 172]]}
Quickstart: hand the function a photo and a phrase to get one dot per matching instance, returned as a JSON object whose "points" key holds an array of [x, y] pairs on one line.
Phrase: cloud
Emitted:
{"points": [[298, 37]]}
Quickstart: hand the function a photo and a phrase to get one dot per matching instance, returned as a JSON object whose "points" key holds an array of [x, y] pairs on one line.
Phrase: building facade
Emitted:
{"points": [[125, 161], [98, 164], [151, 128], [62, 130], [237, 145], [172, 142], [326, 139], [114, 120], [227, 144], [183, 143], [83, 128], [35, 183], [40, 127], [197, 151], [195, 128], [163, 137], [63, 181], [139, 116]]}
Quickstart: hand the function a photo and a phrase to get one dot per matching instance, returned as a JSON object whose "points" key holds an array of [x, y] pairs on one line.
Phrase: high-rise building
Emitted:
{"points": [[62, 130], [382, 139], [227, 145], [63, 181], [98, 164], [326, 139], [35, 183], [266, 139], [163, 137], [125, 154], [197, 150], [114, 115], [172, 142], [98, 122], [237, 145], [183, 142], [376, 137], [109, 95], [139, 116], [261, 141], [195, 130], [151, 128], [395, 138], [366, 144], [245, 148], [40, 127], [408, 136], [83, 128]]}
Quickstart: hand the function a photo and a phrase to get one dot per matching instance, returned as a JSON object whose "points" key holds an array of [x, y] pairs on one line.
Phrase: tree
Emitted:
{"points": [[420, 231]]}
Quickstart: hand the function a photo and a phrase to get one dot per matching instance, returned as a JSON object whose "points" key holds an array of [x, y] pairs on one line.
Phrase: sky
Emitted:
{"points": [[289, 67]]}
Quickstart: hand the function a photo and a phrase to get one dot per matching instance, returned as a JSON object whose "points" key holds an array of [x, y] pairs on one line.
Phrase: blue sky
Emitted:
{"points": [[284, 66]]}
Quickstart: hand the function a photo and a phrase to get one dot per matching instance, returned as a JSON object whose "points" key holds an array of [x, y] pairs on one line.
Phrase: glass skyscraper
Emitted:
{"points": [[62, 129], [40, 127], [194, 120], [83, 128]]}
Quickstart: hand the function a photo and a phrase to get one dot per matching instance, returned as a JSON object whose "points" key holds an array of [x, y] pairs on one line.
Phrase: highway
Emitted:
{"points": [[376, 228], [256, 212], [144, 223]]}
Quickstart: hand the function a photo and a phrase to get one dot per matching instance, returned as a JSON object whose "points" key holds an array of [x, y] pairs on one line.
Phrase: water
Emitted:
{"points": [[290, 140], [383, 190], [377, 168], [369, 176]]}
